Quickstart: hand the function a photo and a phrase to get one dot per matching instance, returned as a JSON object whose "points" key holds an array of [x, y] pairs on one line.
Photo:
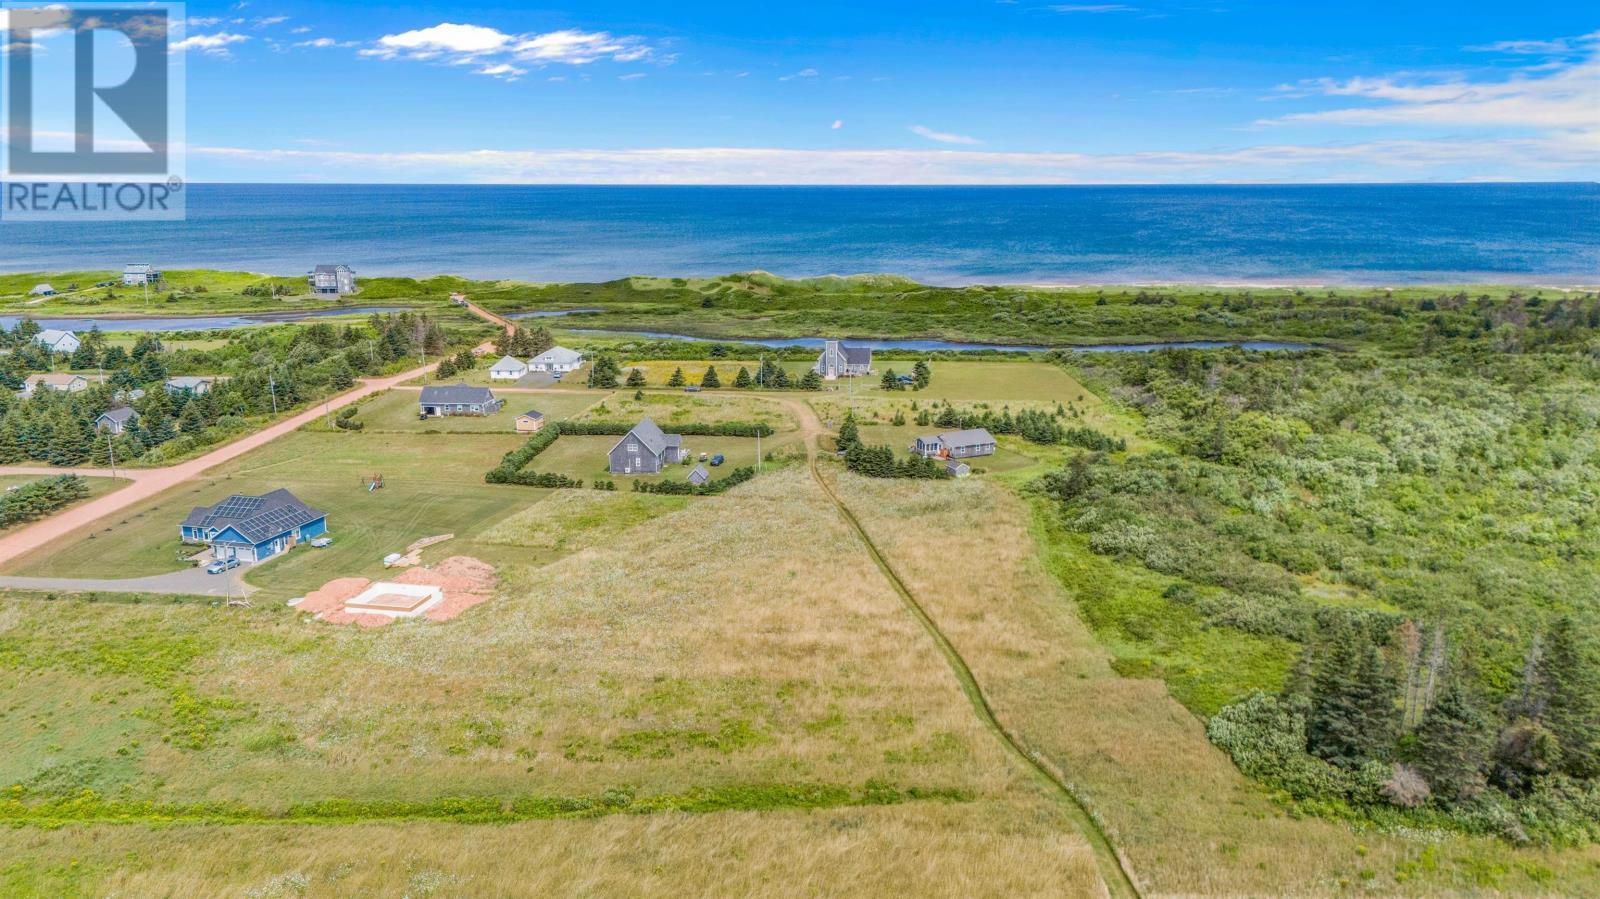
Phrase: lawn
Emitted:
{"points": [[395, 411], [433, 485], [587, 458], [671, 408]]}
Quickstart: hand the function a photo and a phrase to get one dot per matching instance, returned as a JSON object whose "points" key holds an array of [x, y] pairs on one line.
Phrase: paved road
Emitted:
{"points": [[150, 481], [190, 582]]}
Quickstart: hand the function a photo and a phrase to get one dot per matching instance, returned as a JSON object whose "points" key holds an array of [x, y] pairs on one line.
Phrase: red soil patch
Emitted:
{"points": [[465, 581]]}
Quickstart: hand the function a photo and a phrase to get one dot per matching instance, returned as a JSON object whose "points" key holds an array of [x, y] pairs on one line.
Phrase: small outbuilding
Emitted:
{"points": [[530, 421], [116, 420], [699, 476], [458, 399], [957, 469], [42, 290], [509, 368]]}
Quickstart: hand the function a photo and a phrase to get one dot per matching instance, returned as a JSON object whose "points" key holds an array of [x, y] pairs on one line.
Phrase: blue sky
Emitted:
{"points": [[892, 92]]}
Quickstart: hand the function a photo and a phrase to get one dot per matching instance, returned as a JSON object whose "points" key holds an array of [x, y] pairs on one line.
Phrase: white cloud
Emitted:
{"points": [[460, 44], [318, 43], [631, 76], [837, 124], [210, 44], [1376, 161], [503, 71], [269, 21], [1091, 7], [1562, 96], [574, 47], [803, 73], [445, 38], [943, 137]]}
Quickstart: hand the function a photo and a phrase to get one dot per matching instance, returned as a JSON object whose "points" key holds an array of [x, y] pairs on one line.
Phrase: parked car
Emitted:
{"points": [[221, 565], [691, 389], [717, 460], [320, 542]]}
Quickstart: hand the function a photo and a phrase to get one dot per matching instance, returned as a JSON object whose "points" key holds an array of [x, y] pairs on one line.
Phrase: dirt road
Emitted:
{"points": [[148, 482]]}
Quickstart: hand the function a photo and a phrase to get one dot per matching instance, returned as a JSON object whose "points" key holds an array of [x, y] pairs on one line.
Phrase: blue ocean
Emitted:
{"points": [[1334, 234]]}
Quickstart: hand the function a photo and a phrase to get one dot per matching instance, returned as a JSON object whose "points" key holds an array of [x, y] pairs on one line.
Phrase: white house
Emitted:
{"points": [[190, 384], [509, 368], [42, 290], [556, 359], [138, 274], [57, 341]]}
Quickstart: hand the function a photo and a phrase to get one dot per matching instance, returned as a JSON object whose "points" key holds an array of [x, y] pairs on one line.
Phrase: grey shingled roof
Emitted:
{"points": [[699, 475], [970, 437], [857, 355], [256, 518], [532, 413], [654, 439], [454, 394], [331, 269], [120, 415]]}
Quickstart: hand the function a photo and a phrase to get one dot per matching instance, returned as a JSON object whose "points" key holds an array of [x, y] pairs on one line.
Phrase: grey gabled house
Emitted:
{"points": [[116, 420], [646, 450], [458, 399], [332, 280], [955, 444], [699, 476]]}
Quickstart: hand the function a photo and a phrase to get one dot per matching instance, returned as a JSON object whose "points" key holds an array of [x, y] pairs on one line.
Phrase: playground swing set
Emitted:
{"points": [[373, 483]]}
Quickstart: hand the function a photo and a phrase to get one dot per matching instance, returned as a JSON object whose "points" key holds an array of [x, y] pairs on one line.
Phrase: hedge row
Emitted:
{"points": [[684, 488], [694, 429], [31, 502], [510, 469]]}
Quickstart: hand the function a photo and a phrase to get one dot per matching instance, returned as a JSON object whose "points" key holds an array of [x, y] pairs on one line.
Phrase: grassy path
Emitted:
{"points": [[1113, 869]]}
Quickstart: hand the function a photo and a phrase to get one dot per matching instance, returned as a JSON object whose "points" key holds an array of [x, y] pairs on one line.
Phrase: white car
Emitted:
{"points": [[320, 542]]}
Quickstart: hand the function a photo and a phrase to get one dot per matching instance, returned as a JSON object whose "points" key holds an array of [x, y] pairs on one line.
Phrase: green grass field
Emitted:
{"points": [[433, 485], [396, 412]]}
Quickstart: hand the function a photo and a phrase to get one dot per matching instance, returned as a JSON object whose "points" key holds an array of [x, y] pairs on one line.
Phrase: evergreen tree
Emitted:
{"points": [[1353, 715], [85, 357], [190, 421], [605, 373], [636, 378], [677, 379], [1453, 743], [811, 380], [446, 369], [1570, 684], [922, 373], [10, 441], [742, 380], [849, 432], [780, 378], [341, 378], [889, 381], [710, 380]]}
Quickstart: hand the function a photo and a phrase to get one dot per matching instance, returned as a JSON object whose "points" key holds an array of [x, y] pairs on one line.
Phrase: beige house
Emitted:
{"points": [[67, 383], [529, 421]]}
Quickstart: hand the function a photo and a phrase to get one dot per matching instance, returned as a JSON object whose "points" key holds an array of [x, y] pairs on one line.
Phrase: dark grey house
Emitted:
{"points": [[840, 361], [699, 476], [116, 420], [332, 280], [955, 444], [646, 450], [458, 399]]}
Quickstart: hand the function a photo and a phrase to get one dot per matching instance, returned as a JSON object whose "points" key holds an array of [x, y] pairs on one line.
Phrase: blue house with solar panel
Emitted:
{"points": [[253, 528]]}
